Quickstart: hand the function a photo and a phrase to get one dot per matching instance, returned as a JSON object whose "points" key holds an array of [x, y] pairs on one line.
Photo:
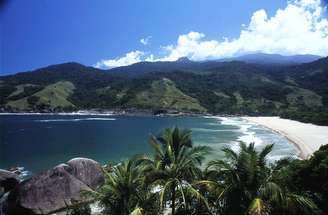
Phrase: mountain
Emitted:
{"points": [[184, 60], [144, 67], [185, 64], [296, 91], [261, 58]]}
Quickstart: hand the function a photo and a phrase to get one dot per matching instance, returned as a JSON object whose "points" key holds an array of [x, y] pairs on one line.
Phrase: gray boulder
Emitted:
{"points": [[56, 189], [86, 170], [8, 180]]}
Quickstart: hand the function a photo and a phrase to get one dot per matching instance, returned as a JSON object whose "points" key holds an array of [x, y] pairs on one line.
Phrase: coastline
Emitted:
{"points": [[128, 112], [306, 137]]}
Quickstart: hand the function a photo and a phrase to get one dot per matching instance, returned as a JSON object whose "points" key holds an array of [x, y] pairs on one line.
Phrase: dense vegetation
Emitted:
{"points": [[292, 91], [176, 180]]}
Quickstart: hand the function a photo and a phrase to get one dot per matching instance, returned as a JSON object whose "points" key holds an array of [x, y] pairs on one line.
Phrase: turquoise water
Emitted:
{"points": [[39, 142]]}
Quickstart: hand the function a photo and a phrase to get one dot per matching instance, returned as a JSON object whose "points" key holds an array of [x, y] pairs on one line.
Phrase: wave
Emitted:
{"points": [[75, 120], [24, 174], [21, 172], [211, 130], [79, 113], [253, 133], [249, 136], [245, 127], [260, 136], [87, 113]]}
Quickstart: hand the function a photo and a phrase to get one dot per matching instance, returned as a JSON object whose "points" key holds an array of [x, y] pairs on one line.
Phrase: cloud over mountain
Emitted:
{"points": [[299, 28], [129, 58]]}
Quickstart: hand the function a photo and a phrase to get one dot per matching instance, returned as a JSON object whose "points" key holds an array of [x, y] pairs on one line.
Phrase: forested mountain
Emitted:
{"points": [[262, 58], [297, 91]]}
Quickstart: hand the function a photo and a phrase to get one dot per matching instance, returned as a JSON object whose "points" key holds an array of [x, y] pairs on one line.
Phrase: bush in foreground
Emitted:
{"points": [[176, 181]]}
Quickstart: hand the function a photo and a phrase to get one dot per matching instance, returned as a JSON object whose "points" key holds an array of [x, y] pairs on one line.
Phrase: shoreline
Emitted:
{"points": [[300, 153], [284, 127], [306, 137], [111, 113]]}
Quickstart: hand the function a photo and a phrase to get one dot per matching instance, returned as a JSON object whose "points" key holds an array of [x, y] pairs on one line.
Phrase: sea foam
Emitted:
{"points": [[247, 136], [253, 133], [75, 120]]}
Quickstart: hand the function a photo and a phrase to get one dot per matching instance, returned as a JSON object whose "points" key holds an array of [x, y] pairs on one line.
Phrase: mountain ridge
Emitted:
{"points": [[185, 63], [211, 87], [263, 58]]}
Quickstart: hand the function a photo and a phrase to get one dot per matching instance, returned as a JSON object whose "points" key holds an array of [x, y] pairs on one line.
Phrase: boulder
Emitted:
{"points": [[55, 189], [8, 180], [86, 170]]}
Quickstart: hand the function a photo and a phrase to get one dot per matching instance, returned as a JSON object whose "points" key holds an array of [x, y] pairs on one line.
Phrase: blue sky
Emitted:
{"points": [[106, 34]]}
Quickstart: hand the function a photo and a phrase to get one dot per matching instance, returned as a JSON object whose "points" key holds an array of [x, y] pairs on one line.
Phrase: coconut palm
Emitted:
{"points": [[174, 167], [82, 209], [124, 191], [245, 184]]}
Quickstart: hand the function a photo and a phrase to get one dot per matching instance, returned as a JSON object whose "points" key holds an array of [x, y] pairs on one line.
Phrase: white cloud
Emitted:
{"points": [[145, 41], [130, 58], [299, 28]]}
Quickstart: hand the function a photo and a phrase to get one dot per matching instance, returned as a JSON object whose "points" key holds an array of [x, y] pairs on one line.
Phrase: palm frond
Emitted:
{"points": [[137, 211], [301, 204], [197, 195], [272, 191], [264, 152], [163, 192], [180, 188], [230, 154], [156, 175], [156, 146], [257, 207]]}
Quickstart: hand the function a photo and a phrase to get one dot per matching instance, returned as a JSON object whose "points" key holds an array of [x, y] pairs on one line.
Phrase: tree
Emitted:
{"points": [[309, 177], [32, 100], [174, 168], [124, 191], [247, 185], [83, 209]]}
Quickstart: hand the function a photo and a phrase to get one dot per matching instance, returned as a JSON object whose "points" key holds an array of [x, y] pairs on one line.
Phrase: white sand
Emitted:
{"points": [[307, 137]]}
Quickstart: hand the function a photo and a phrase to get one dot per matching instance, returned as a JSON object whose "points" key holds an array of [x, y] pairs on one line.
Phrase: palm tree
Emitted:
{"points": [[174, 167], [245, 184], [124, 191]]}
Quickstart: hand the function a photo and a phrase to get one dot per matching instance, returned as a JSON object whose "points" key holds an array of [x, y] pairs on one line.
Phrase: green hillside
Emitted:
{"points": [[292, 91], [163, 94], [305, 97], [52, 97]]}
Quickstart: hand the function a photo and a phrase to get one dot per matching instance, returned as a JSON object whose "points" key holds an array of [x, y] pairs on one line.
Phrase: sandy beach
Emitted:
{"points": [[307, 137]]}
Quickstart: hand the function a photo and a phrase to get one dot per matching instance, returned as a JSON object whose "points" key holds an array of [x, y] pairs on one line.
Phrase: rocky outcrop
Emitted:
{"points": [[86, 170], [8, 180], [55, 189]]}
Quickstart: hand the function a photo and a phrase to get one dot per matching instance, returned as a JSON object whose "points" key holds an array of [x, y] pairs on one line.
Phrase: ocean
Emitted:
{"points": [[37, 142]]}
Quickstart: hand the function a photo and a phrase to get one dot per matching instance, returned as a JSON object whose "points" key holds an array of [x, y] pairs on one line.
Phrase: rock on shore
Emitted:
{"points": [[55, 189], [8, 180]]}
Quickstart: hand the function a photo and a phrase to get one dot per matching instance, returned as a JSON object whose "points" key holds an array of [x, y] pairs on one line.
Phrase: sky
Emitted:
{"points": [[107, 34]]}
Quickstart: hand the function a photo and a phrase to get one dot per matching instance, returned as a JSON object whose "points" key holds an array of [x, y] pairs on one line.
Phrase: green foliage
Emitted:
{"points": [[52, 97], [319, 117], [124, 191], [174, 169], [163, 94], [23, 91], [247, 185], [83, 209], [307, 176], [298, 92], [32, 100], [174, 181], [5, 91]]}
